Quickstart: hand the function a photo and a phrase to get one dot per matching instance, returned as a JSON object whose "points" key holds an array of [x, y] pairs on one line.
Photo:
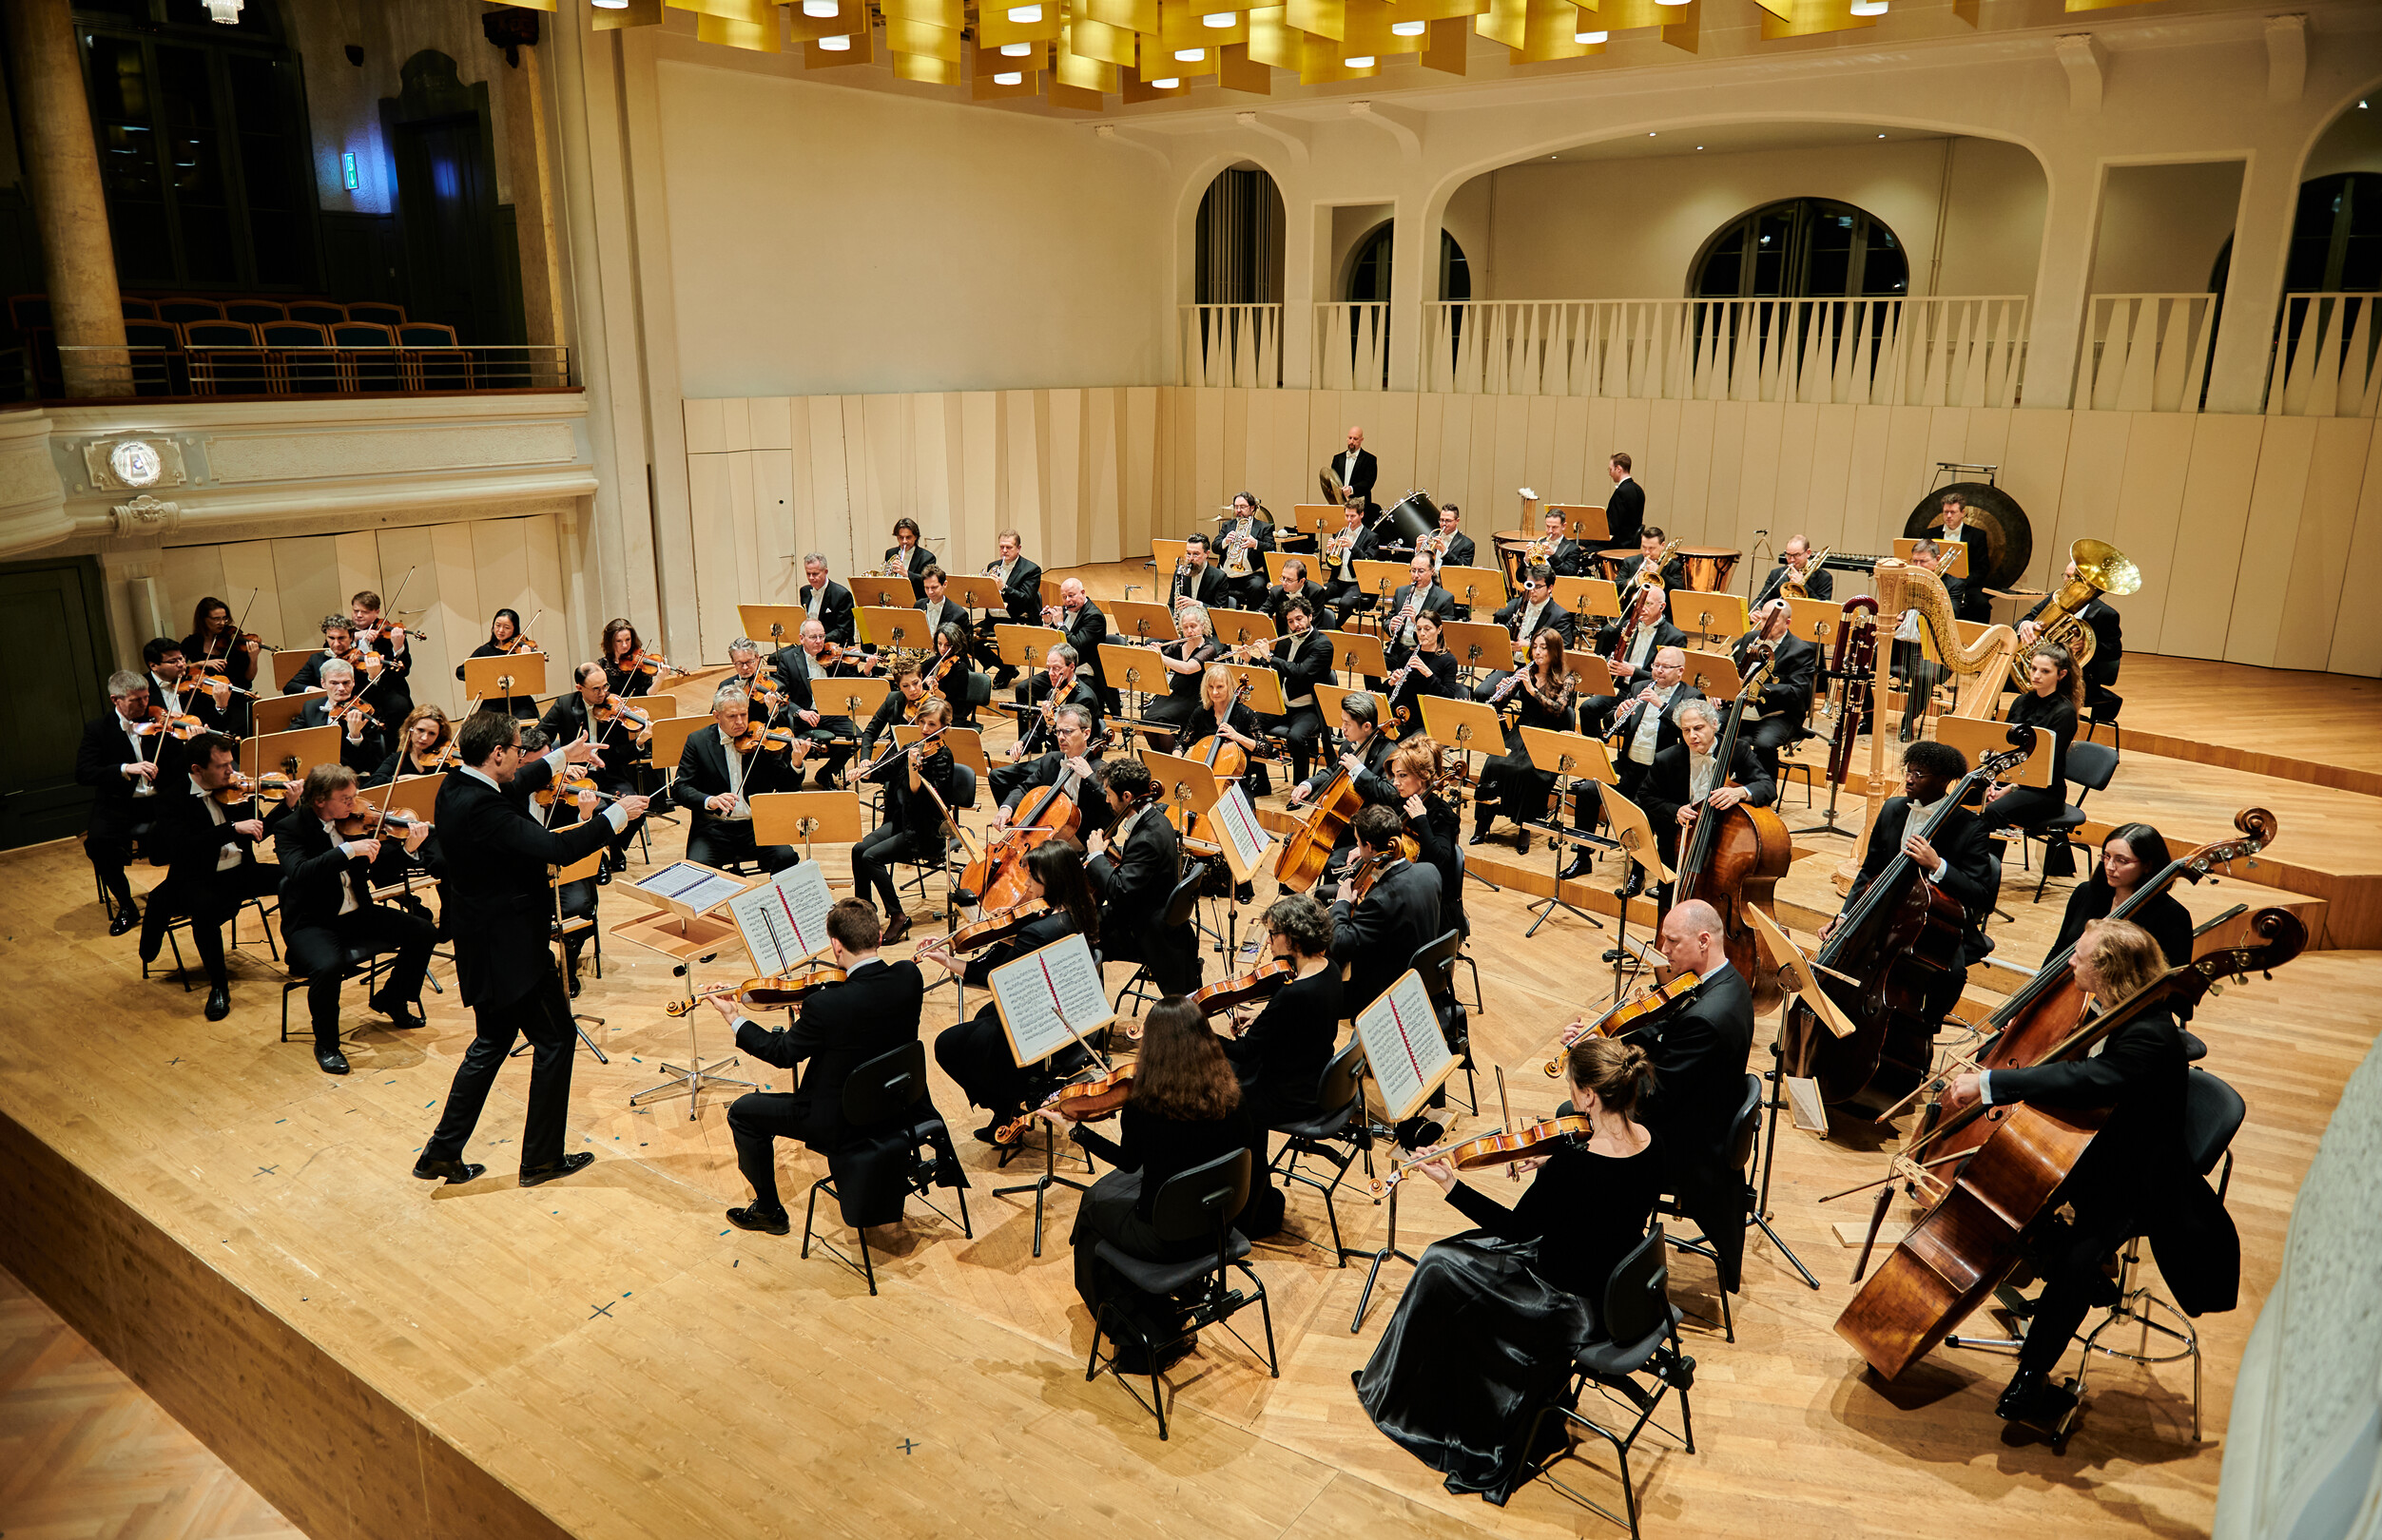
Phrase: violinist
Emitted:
{"points": [[1197, 580], [328, 912], [501, 912], [761, 688], [1218, 714], [214, 637], [1302, 655], [2053, 697], [903, 558], [419, 742], [901, 704], [949, 675], [1282, 1047], [2131, 855], [717, 781], [1463, 1372], [209, 851], [1431, 822], [1775, 719], [1364, 754], [587, 710], [1376, 935], [1526, 615], [1644, 725], [1352, 543], [1021, 598], [1688, 776], [505, 638], [1183, 1112], [1700, 1053], [837, 1029], [1511, 785], [338, 645], [1070, 753], [571, 900], [827, 602], [1059, 687], [1959, 860], [1185, 661], [1418, 595], [620, 648], [798, 668], [1136, 883], [2134, 1179], [975, 1053], [388, 638], [172, 687], [1427, 668], [126, 760], [362, 744], [920, 784]]}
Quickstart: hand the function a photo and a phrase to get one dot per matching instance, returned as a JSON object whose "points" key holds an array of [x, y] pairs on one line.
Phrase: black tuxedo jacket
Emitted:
{"points": [[186, 840], [1553, 617], [939, 615], [1209, 586], [1080, 693], [1459, 552], [1967, 597], [1963, 843], [1674, 572], [1280, 1059], [872, 1013], [1136, 879], [362, 755], [1624, 732], [1022, 596], [1625, 512], [1086, 629], [835, 610], [1046, 770], [1436, 600], [2108, 639], [497, 859], [311, 866], [1699, 1053], [1372, 786], [1379, 937], [1313, 592], [1818, 583], [198, 702], [98, 761], [568, 717], [919, 560], [703, 772], [1312, 667], [1666, 635], [1368, 471], [1664, 790], [1788, 692], [1367, 546]]}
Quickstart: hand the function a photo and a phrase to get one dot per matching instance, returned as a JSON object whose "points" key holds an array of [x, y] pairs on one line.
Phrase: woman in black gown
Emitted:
{"points": [[1432, 824], [2054, 693], [976, 1053], [1281, 1050], [618, 647], [504, 636], [1511, 786], [948, 672], [1430, 670], [2132, 855], [919, 786], [419, 742], [1185, 661], [1484, 1334], [1183, 1111]]}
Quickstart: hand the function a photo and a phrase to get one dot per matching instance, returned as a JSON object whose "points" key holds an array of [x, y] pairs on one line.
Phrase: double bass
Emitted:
{"points": [[1888, 947], [1976, 1230], [1731, 858]]}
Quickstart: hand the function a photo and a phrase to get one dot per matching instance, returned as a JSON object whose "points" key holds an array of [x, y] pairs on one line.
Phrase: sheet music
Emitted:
{"points": [[684, 882], [1239, 823], [785, 920], [1403, 1050], [1045, 992]]}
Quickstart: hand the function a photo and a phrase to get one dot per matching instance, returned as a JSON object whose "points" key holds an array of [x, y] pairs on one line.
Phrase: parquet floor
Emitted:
{"points": [[610, 1348]]}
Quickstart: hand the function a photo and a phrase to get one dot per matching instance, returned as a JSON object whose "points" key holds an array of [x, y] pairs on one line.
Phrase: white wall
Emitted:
{"points": [[1630, 228], [831, 239], [2163, 225], [2351, 143]]}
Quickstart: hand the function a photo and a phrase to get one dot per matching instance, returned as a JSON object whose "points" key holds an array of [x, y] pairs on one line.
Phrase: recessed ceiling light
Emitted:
{"points": [[1190, 55], [1363, 61], [1881, 136], [1025, 15], [1699, 146], [1012, 77], [1650, 133], [611, 5], [1016, 50], [1589, 37], [836, 45], [1219, 19], [1166, 85], [1409, 29], [1868, 8]]}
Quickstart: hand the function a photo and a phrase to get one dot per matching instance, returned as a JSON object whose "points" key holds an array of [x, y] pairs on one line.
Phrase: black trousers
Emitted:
{"points": [[320, 953], [756, 1121], [109, 853], [975, 1053], [578, 902], [718, 842], [543, 1016], [1919, 678], [1302, 729], [828, 761], [2070, 1258], [872, 864], [211, 905], [2022, 808]]}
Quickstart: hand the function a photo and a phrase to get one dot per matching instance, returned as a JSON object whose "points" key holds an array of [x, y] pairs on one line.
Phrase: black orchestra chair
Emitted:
{"points": [[1180, 908], [357, 963], [2101, 705], [944, 859], [1194, 1204], [873, 1175], [1336, 1135], [2090, 766], [1437, 964], [184, 922], [1742, 1130], [1641, 1336]]}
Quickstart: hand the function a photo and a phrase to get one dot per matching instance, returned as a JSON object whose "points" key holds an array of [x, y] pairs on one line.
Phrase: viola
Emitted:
{"points": [[1637, 1011], [1732, 857], [242, 788], [1082, 1100], [776, 991], [999, 925], [337, 711], [1262, 983], [573, 781], [760, 736], [372, 823], [1500, 1147], [648, 663]]}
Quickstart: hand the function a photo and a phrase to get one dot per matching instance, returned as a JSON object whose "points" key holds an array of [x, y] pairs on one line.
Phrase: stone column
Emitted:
{"points": [[53, 120], [530, 144]]}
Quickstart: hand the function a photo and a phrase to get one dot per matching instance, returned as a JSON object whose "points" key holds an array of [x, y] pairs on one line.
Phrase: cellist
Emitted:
{"points": [[1959, 861], [1364, 754], [1071, 752], [2133, 1180], [1688, 776]]}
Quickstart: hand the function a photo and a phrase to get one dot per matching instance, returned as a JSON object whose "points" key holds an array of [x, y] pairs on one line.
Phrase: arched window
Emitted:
{"points": [[1369, 273], [1798, 249], [201, 144], [2335, 238], [1239, 241]]}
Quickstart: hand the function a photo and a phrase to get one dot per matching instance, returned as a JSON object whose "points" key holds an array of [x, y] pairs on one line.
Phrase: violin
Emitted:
{"points": [[1261, 983], [777, 991], [999, 925], [1500, 1147], [179, 726], [760, 735], [1082, 1100], [338, 713], [648, 663], [614, 708], [573, 781], [372, 823], [246, 789], [1630, 1014], [362, 659]]}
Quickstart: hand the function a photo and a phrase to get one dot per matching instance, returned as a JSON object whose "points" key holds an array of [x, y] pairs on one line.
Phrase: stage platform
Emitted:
{"points": [[604, 1357]]}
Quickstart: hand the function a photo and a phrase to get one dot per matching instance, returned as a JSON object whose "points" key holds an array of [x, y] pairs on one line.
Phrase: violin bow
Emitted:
{"points": [[1505, 1110]]}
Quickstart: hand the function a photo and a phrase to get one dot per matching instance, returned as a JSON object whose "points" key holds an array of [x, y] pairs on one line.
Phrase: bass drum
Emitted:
{"points": [[1415, 518], [2009, 540]]}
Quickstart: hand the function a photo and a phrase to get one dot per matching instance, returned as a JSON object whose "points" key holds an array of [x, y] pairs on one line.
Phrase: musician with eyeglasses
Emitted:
{"points": [[1247, 535], [1774, 718], [1643, 726], [1021, 598], [1295, 584], [1061, 688], [1797, 565], [1418, 595]]}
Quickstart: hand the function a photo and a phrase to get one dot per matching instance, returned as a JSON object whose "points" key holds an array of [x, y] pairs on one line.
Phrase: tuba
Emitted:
{"points": [[2100, 567]]}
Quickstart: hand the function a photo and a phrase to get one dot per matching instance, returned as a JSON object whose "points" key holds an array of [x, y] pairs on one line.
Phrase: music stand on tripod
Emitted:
{"points": [[1406, 1055], [1635, 833], [1049, 998], [505, 674], [775, 627], [1563, 755], [805, 817], [1795, 980], [1815, 620]]}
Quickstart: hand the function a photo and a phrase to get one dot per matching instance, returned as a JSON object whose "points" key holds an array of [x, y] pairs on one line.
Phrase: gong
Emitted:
{"points": [[1995, 522]]}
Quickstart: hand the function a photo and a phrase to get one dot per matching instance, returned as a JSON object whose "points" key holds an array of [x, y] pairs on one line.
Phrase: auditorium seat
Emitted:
{"points": [[226, 360], [366, 369], [135, 308], [378, 312], [184, 309], [298, 370], [441, 365], [158, 365], [255, 312], [321, 312]]}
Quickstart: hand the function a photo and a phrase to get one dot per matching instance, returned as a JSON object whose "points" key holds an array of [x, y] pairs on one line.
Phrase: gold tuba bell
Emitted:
{"points": [[2100, 567]]}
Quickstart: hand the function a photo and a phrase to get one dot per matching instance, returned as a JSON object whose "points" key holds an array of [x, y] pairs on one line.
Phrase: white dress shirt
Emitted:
{"points": [[1641, 743], [142, 786]]}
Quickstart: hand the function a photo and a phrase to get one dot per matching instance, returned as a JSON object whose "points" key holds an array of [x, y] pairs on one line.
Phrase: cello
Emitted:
{"points": [[1306, 853], [1225, 759], [998, 876], [1975, 1231], [1734, 857], [1889, 946]]}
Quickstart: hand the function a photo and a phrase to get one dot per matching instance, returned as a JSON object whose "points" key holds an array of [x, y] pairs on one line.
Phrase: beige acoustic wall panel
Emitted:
{"points": [[2210, 525], [2357, 634]]}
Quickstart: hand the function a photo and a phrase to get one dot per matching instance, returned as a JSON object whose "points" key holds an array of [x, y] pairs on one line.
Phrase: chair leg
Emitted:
{"points": [[180, 968], [868, 1268], [810, 1211]]}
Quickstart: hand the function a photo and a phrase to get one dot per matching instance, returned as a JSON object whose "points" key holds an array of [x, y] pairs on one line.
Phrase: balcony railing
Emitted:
{"points": [[2145, 352], [1238, 346], [1352, 345], [2324, 362], [325, 371]]}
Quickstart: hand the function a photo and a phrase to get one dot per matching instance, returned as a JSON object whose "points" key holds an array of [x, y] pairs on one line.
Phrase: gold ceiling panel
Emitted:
{"points": [[923, 39], [984, 87], [863, 50], [1327, 61], [1114, 46], [756, 37], [1137, 90], [1133, 15], [1160, 63], [1182, 24], [751, 11], [1808, 18], [1080, 73], [1237, 71], [851, 17], [1318, 18], [637, 13], [1368, 29], [1272, 41], [995, 25], [926, 70]]}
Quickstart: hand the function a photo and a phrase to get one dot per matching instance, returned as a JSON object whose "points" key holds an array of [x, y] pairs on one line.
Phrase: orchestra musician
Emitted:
{"points": [[837, 1029], [329, 911], [1302, 657], [1919, 673], [1689, 775], [504, 636], [127, 768], [1070, 751], [1796, 562], [1418, 595], [2131, 855], [1699, 1053], [1649, 543], [826, 601], [1378, 935], [920, 784], [1197, 580], [1454, 1380], [1528, 615], [717, 781], [1136, 884], [975, 1053], [1352, 543], [1429, 819], [939, 611], [905, 559], [172, 687], [420, 738], [1625, 505], [1452, 547], [1058, 684], [1354, 469], [214, 635], [901, 704], [1511, 785], [1363, 752], [578, 713], [572, 900], [1427, 668], [1630, 642], [338, 645], [2108, 635], [1185, 661], [798, 669], [1644, 726], [1969, 599], [949, 674], [1775, 719], [1295, 584], [1249, 528], [1020, 599], [1183, 1111], [1280, 1050], [1958, 860], [1556, 550], [362, 744], [2134, 1179], [209, 851], [1086, 628], [393, 693], [618, 647], [1219, 715], [2053, 696]]}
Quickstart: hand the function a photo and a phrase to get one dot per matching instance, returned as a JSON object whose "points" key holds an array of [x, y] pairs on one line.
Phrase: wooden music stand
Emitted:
{"points": [[1052, 591], [1125, 668], [669, 738], [1815, 620], [1479, 644], [1358, 653], [975, 590], [1797, 981], [843, 696], [805, 817], [1238, 627], [1635, 833], [1470, 726], [1476, 588], [1382, 577], [417, 795], [1978, 737], [1565, 755], [1141, 620], [885, 626], [1955, 558], [1584, 522], [884, 593], [773, 625], [509, 673], [1265, 688], [273, 713], [1699, 613], [1328, 699], [966, 745], [1317, 518], [1025, 646], [1714, 673], [1589, 598], [293, 752], [1166, 555], [1596, 674], [682, 931]]}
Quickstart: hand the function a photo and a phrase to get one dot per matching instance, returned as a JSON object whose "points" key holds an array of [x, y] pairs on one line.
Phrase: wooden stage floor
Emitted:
{"points": [[604, 1357]]}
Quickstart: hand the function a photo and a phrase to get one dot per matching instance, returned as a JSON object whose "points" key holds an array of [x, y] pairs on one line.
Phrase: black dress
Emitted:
{"points": [[1280, 1060], [2163, 917], [1434, 673], [1510, 784], [1242, 720], [2026, 806], [1181, 700], [523, 706], [1485, 1334], [976, 1053], [1149, 1149]]}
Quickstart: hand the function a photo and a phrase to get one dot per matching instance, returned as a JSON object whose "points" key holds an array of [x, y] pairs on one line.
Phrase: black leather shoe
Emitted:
{"points": [[332, 1061], [617, 861], [2033, 1401], [1480, 836], [125, 920], [533, 1176], [454, 1171], [1636, 883], [1522, 846], [219, 1001], [1244, 893], [759, 1221], [604, 875], [1578, 867], [574, 983], [402, 1014]]}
